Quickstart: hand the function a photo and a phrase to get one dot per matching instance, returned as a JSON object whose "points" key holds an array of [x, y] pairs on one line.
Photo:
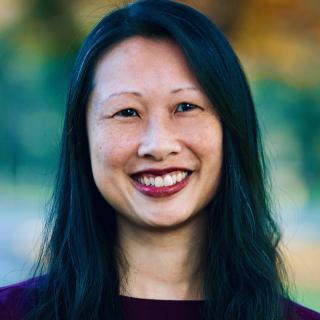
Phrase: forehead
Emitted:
{"points": [[138, 57], [136, 45]]}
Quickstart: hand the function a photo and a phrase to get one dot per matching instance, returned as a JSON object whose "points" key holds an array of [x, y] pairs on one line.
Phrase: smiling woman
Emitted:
{"points": [[160, 209], [150, 130]]}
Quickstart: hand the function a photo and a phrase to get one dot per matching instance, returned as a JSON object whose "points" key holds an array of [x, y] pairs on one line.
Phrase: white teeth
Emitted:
{"points": [[158, 182], [168, 180], [146, 181], [161, 181]]}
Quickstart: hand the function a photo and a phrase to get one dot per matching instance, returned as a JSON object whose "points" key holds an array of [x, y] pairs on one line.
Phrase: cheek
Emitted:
{"points": [[205, 140], [110, 149]]}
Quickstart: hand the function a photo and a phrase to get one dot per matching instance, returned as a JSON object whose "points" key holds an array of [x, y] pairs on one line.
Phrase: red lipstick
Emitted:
{"points": [[159, 172], [158, 192]]}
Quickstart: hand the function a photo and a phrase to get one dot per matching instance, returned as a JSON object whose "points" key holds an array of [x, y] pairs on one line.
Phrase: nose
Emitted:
{"points": [[159, 140]]}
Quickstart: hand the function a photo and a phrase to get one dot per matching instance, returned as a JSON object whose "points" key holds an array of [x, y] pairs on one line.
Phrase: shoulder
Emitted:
{"points": [[16, 299], [299, 312]]}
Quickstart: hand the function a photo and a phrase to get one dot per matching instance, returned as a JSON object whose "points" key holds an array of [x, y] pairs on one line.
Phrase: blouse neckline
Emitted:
{"points": [[153, 300]]}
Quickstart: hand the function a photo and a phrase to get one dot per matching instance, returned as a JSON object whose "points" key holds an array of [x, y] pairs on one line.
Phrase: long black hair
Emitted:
{"points": [[79, 257]]}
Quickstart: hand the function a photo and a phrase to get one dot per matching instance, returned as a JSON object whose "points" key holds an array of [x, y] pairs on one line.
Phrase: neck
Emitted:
{"points": [[162, 264]]}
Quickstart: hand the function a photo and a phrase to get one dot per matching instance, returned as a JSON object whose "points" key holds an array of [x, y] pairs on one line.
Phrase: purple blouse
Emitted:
{"points": [[14, 303]]}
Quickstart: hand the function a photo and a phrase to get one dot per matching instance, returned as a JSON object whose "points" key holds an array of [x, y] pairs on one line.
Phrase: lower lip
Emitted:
{"points": [[158, 192]]}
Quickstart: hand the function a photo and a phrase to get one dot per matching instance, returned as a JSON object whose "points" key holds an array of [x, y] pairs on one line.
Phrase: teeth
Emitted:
{"points": [[146, 181], [161, 181], [168, 180], [158, 182]]}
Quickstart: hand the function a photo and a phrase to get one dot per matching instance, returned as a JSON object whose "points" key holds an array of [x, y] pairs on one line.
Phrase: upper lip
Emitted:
{"points": [[160, 172]]}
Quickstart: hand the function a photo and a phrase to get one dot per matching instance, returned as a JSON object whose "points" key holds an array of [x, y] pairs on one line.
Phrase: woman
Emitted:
{"points": [[160, 209]]}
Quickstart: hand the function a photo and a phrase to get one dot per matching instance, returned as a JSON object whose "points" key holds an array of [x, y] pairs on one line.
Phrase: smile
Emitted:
{"points": [[164, 180], [161, 185]]}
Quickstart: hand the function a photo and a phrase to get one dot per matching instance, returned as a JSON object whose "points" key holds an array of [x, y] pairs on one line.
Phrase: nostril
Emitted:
{"points": [[159, 153]]}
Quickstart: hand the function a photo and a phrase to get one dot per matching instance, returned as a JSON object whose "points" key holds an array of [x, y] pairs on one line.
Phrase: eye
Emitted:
{"points": [[127, 113], [185, 106]]}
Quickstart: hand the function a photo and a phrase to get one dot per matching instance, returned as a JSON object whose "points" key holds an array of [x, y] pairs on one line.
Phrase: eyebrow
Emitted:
{"points": [[138, 94], [184, 88], [123, 93]]}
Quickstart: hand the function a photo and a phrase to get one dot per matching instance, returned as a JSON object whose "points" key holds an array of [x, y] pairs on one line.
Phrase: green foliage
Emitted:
{"points": [[32, 105], [291, 118]]}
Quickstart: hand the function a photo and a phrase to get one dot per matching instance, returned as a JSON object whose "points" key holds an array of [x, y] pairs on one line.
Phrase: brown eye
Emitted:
{"points": [[127, 113], [185, 106]]}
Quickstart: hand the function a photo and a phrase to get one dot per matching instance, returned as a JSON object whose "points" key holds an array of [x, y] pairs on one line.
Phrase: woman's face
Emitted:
{"points": [[155, 140]]}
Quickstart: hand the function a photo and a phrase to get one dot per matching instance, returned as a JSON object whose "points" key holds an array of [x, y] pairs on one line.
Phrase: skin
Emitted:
{"points": [[162, 238]]}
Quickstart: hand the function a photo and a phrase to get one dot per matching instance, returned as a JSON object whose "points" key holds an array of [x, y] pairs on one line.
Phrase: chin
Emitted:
{"points": [[167, 221]]}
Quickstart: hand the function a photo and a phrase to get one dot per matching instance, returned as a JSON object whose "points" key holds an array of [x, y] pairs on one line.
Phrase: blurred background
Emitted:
{"points": [[278, 42]]}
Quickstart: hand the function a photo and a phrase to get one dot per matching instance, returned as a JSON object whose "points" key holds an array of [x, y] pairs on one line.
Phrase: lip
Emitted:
{"points": [[160, 172], [158, 192]]}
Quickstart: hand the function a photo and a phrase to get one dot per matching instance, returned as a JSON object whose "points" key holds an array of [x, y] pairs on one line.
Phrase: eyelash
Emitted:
{"points": [[124, 110], [120, 113], [188, 104]]}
